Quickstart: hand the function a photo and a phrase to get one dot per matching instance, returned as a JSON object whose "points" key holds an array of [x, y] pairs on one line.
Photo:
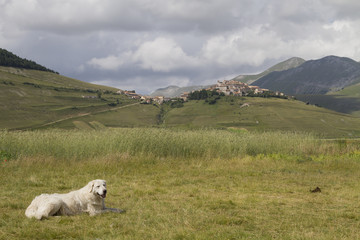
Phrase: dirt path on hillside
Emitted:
{"points": [[86, 114]]}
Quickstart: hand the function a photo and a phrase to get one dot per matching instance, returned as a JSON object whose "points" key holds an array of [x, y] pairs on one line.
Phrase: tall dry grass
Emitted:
{"points": [[155, 142]]}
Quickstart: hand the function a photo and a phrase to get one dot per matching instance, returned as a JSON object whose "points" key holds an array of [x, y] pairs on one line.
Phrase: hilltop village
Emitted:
{"points": [[226, 87], [236, 88]]}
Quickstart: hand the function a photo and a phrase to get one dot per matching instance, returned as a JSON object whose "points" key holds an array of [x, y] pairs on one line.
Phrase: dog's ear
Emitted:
{"points": [[91, 186]]}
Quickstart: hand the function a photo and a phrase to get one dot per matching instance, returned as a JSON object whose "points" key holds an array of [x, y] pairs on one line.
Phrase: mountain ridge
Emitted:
{"points": [[328, 74], [284, 65], [175, 91]]}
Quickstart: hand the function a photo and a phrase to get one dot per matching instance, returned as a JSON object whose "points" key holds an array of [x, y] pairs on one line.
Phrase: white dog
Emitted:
{"points": [[88, 199]]}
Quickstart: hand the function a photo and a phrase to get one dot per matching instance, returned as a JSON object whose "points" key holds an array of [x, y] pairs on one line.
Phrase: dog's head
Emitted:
{"points": [[98, 187]]}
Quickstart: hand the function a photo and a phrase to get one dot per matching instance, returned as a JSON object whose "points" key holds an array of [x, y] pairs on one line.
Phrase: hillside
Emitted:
{"points": [[128, 116], [8, 59], [346, 100], [321, 76], [285, 65], [32, 98], [259, 114], [243, 113]]}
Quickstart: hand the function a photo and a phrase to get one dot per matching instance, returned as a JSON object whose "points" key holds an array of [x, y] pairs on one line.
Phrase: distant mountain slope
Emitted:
{"points": [[8, 59], [285, 65], [320, 76], [175, 91]]}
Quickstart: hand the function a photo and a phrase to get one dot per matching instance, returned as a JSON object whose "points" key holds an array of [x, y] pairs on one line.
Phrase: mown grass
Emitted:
{"points": [[174, 184]]}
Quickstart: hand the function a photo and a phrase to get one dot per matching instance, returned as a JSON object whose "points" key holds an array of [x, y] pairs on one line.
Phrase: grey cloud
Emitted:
{"points": [[208, 17], [344, 9], [146, 44], [76, 17]]}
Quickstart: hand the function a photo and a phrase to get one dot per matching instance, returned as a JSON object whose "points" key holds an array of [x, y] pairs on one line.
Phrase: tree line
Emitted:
{"points": [[204, 94], [210, 96], [9, 59]]}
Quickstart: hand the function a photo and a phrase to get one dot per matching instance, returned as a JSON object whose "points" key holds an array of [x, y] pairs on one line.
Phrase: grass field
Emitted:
{"points": [[250, 114], [177, 184], [32, 98], [261, 114], [131, 115]]}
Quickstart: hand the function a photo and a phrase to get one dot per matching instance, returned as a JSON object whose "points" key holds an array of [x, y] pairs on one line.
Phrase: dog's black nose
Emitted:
{"points": [[105, 191]]}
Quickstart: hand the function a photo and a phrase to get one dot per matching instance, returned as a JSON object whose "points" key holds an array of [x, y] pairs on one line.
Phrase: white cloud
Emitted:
{"points": [[159, 55], [338, 26], [343, 38], [138, 42], [144, 84], [108, 63], [163, 55], [79, 16], [251, 46]]}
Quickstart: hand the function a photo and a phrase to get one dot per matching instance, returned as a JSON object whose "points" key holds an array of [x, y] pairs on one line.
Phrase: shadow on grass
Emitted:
{"points": [[338, 103]]}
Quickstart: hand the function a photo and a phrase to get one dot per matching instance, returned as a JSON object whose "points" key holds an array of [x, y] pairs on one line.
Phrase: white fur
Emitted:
{"points": [[88, 199]]}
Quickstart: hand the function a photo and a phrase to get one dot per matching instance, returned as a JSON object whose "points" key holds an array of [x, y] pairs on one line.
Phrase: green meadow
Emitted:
{"points": [[241, 113], [182, 184], [264, 114], [32, 99]]}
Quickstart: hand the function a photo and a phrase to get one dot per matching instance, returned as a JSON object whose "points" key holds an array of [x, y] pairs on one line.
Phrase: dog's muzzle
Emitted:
{"points": [[102, 195]]}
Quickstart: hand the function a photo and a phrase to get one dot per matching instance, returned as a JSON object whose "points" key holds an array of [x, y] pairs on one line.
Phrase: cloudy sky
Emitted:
{"points": [[148, 44]]}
